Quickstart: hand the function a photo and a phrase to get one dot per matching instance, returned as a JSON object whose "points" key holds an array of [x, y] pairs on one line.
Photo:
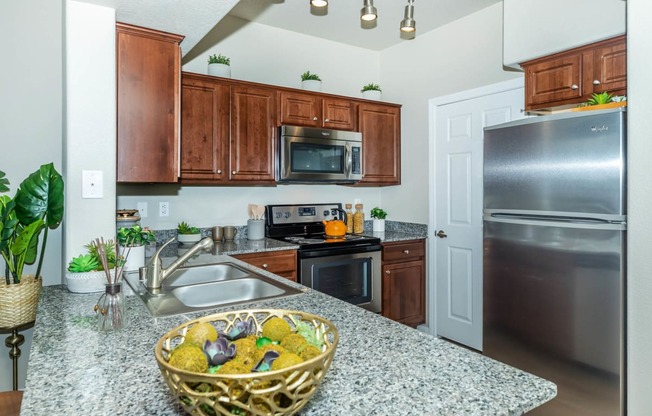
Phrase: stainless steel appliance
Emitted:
{"points": [[554, 255], [318, 155], [348, 268]]}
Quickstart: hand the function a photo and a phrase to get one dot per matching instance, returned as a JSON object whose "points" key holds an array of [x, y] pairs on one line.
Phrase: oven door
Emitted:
{"points": [[353, 277], [306, 159]]}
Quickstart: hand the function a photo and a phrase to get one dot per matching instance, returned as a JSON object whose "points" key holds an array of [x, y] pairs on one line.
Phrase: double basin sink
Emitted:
{"points": [[196, 288]]}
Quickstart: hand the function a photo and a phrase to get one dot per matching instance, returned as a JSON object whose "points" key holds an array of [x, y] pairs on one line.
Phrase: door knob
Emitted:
{"points": [[441, 234]]}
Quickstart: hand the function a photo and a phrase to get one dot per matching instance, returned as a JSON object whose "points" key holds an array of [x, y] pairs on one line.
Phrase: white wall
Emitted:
{"points": [[535, 28], [639, 244], [462, 55], [273, 56], [30, 120], [90, 122]]}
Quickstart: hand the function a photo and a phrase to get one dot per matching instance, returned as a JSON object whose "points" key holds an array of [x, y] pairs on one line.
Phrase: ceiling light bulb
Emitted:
{"points": [[368, 12], [319, 3], [408, 24]]}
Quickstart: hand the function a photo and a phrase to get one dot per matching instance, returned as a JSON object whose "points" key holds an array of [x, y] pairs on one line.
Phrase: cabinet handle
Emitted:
{"points": [[327, 120], [387, 272], [596, 82], [574, 87], [315, 119], [406, 251], [233, 173], [219, 171], [265, 265]]}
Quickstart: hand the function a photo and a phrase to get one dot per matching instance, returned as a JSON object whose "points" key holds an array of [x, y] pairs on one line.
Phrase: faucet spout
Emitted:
{"points": [[154, 272]]}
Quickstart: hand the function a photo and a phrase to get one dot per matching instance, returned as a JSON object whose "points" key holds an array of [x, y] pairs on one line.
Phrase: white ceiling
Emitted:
{"points": [[195, 18]]}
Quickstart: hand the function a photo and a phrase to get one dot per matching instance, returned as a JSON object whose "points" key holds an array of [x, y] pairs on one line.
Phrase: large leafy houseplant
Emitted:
{"points": [[36, 208]]}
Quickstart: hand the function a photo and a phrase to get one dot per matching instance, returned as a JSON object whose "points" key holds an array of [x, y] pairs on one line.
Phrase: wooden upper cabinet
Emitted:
{"points": [[204, 129], [311, 110], [253, 134], [571, 77], [148, 104], [380, 125]]}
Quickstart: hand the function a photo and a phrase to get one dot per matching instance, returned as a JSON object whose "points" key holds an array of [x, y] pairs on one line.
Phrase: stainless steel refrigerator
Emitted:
{"points": [[554, 255]]}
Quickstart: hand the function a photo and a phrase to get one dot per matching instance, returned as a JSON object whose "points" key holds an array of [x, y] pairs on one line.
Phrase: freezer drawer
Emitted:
{"points": [[553, 306]]}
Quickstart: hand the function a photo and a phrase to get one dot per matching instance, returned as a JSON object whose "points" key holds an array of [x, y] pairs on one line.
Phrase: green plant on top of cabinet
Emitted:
{"points": [[148, 70]]}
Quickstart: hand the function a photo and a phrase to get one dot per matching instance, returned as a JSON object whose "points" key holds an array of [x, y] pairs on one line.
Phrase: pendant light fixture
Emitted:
{"points": [[368, 13], [408, 24], [319, 3]]}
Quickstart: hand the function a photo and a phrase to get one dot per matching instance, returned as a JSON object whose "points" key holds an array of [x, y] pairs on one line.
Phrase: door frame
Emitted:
{"points": [[433, 103]]}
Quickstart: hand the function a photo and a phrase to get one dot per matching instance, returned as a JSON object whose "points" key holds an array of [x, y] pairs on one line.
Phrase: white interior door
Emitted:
{"points": [[458, 209]]}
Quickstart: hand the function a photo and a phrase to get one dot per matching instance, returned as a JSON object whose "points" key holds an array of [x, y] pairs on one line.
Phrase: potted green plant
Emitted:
{"points": [[36, 208], [371, 91], [187, 234], [85, 273], [378, 216], [219, 65], [133, 240], [310, 81]]}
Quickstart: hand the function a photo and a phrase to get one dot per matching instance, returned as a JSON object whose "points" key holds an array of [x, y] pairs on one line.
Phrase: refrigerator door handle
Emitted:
{"points": [[566, 222]]}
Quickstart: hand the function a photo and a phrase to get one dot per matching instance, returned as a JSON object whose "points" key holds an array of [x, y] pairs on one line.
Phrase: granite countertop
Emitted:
{"points": [[380, 368]]}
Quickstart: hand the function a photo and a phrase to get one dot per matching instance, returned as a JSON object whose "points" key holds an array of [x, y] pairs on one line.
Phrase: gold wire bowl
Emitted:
{"points": [[279, 392]]}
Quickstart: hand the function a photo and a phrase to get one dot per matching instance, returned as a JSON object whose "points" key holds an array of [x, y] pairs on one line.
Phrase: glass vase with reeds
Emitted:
{"points": [[111, 305]]}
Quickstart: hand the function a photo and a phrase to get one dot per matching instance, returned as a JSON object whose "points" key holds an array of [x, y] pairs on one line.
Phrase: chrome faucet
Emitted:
{"points": [[154, 272]]}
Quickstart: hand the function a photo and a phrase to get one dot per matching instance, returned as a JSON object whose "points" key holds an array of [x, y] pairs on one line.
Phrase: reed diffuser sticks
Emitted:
{"points": [[111, 304]]}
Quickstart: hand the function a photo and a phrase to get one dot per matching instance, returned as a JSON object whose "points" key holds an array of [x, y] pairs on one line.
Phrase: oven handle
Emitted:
{"points": [[336, 251]]}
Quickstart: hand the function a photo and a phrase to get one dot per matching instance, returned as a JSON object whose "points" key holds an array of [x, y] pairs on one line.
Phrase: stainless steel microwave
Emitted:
{"points": [[313, 155]]}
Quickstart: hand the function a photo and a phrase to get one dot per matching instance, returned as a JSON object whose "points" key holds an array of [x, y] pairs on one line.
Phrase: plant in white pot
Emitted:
{"points": [[371, 91], [310, 81], [132, 240], [378, 216], [187, 234], [219, 65], [86, 272], [37, 207]]}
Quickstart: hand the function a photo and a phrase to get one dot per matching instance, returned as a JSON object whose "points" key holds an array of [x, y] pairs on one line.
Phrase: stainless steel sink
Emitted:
{"points": [[197, 288]]}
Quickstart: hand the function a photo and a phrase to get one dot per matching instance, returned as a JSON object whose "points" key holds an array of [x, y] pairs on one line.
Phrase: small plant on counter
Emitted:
{"points": [[184, 228], [371, 87], [219, 59], [598, 99], [308, 76], [135, 236], [378, 213], [91, 261]]}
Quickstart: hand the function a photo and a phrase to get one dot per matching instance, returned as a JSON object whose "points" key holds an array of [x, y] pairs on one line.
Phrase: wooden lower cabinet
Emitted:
{"points": [[404, 282], [282, 263]]}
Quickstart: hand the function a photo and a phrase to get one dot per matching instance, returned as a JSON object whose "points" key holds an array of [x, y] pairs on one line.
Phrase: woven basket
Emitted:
{"points": [[279, 392], [18, 301]]}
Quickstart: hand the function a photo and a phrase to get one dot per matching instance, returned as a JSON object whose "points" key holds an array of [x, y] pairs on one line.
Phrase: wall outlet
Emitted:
{"points": [[163, 209], [142, 209]]}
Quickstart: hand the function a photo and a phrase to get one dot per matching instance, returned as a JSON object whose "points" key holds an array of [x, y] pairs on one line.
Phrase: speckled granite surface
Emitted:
{"points": [[380, 367]]}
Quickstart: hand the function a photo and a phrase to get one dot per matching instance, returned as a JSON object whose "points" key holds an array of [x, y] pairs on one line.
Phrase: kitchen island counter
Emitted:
{"points": [[380, 368]]}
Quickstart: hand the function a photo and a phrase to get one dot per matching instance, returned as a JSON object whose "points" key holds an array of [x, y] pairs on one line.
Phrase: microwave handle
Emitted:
{"points": [[348, 155]]}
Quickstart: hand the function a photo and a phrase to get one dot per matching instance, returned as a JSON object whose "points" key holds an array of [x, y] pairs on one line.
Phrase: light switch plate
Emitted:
{"points": [[92, 184]]}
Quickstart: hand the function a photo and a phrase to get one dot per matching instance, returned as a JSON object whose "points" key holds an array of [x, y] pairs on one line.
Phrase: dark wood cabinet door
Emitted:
{"points": [[338, 114], [300, 109], [204, 130], [253, 134], [380, 126], [610, 68], [148, 104], [282, 263], [404, 292], [554, 80]]}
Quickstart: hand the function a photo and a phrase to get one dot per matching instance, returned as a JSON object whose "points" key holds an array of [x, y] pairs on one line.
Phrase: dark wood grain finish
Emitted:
{"points": [[282, 263], [253, 134], [572, 76], [338, 114], [404, 282], [380, 126], [300, 109], [148, 103], [204, 130]]}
